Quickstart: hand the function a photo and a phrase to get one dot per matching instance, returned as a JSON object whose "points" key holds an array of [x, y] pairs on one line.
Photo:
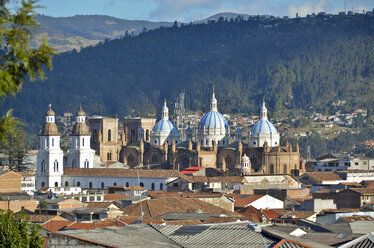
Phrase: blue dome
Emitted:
{"points": [[263, 127], [238, 129], [213, 119], [165, 126]]}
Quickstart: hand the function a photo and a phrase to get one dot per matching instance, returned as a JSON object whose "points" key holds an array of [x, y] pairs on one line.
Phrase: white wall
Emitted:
{"points": [[267, 202]]}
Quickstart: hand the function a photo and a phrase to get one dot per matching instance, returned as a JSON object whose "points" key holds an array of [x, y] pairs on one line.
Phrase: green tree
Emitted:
{"points": [[17, 231], [18, 59], [13, 147]]}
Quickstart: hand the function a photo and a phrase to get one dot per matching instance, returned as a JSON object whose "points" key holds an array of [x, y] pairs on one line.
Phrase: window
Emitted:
{"points": [[284, 169], [90, 185], [78, 184], [102, 185], [147, 135], [175, 185], [86, 164], [109, 156], [154, 158], [53, 141], [66, 183], [223, 142], [271, 169], [55, 166], [114, 184], [161, 186], [207, 142], [130, 158], [153, 186], [127, 184], [94, 135], [212, 142], [141, 184], [82, 141], [43, 184], [254, 142], [109, 135], [73, 163], [132, 135], [276, 143], [56, 184], [155, 141], [43, 169]]}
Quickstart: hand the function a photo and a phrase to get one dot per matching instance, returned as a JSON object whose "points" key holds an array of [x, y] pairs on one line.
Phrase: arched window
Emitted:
{"points": [[154, 158], [43, 169], [127, 184], [130, 158], [147, 135], [94, 135], [155, 141], [56, 184], [207, 142], [300, 166], [82, 141], [55, 166], [86, 164], [153, 186], [43, 184], [161, 186], [66, 183], [141, 184], [78, 184], [284, 169], [109, 156], [102, 185], [114, 184], [212, 142], [109, 135], [53, 141], [132, 135], [271, 169], [223, 142], [90, 185], [73, 163]]}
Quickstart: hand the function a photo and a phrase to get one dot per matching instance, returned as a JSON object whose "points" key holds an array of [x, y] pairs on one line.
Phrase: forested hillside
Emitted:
{"points": [[303, 63]]}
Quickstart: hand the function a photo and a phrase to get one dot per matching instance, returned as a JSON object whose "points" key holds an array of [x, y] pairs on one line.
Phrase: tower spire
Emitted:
{"points": [[264, 111], [165, 111], [213, 103]]}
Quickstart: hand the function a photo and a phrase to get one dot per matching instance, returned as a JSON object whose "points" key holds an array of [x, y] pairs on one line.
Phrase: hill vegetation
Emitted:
{"points": [[306, 63]]}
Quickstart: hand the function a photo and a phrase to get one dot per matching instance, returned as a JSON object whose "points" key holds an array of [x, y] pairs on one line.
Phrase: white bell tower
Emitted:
{"points": [[80, 153], [50, 157]]}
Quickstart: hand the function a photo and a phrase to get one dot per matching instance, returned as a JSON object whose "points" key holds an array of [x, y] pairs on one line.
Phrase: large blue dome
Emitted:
{"points": [[263, 127], [213, 119], [165, 126]]}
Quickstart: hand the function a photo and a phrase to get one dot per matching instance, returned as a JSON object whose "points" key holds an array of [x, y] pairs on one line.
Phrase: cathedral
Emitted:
{"points": [[146, 143]]}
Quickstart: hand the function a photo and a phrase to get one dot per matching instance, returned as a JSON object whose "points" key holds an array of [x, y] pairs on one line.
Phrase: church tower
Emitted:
{"points": [[80, 153], [50, 157]]}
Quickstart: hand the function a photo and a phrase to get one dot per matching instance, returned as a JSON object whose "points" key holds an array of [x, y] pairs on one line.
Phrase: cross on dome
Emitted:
{"points": [[213, 103]]}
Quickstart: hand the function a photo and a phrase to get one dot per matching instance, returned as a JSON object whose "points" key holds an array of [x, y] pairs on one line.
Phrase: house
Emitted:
{"points": [[331, 216], [318, 180], [257, 201], [207, 184], [10, 181], [315, 205], [338, 162], [354, 197], [363, 241], [63, 203], [356, 175], [97, 211], [265, 182], [252, 213]]}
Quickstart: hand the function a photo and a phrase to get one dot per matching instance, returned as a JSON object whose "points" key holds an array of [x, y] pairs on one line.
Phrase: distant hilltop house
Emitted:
{"points": [[143, 142]]}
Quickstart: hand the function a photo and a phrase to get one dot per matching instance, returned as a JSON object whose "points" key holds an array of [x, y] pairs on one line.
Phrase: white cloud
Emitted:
{"points": [[307, 8]]}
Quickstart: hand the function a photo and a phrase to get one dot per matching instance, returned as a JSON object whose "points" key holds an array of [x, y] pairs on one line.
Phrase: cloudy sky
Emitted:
{"points": [[192, 10]]}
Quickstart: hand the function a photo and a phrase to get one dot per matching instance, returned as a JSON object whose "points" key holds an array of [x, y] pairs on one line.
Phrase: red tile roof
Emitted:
{"points": [[252, 213], [56, 225], [242, 201], [354, 218], [93, 225], [270, 214], [114, 197], [320, 176], [135, 188]]}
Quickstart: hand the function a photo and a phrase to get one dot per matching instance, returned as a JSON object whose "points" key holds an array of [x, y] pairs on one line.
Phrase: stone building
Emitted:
{"points": [[105, 138]]}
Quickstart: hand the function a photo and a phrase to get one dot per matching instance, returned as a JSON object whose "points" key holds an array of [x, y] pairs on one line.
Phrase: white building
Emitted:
{"points": [[80, 153], [266, 202], [50, 156], [263, 131], [28, 184], [213, 127]]}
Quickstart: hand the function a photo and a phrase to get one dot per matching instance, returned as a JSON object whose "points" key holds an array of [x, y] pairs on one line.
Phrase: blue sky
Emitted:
{"points": [[191, 10]]}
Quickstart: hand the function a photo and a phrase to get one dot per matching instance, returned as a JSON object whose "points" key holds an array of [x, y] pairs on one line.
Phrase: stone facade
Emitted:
{"points": [[131, 127], [105, 138]]}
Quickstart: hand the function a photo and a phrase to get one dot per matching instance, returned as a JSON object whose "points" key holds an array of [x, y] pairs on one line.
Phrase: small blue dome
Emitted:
{"points": [[213, 119], [165, 126], [263, 127]]}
